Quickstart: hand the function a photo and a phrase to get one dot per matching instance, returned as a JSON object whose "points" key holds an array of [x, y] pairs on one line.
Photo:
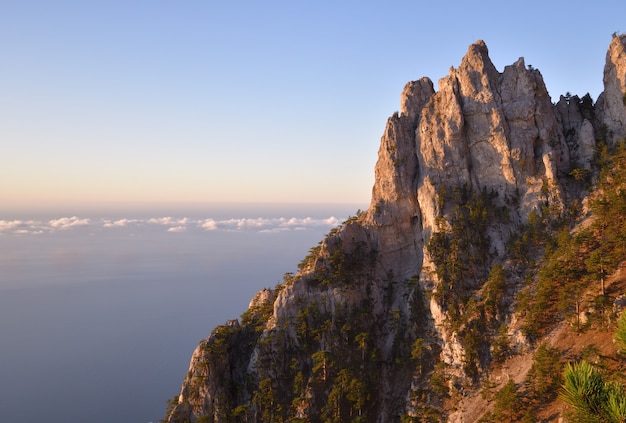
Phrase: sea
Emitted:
{"points": [[101, 308]]}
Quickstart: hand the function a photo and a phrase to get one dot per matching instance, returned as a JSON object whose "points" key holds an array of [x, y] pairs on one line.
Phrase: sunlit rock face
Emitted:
{"points": [[482, 130], [367, 318], [611, 104]]}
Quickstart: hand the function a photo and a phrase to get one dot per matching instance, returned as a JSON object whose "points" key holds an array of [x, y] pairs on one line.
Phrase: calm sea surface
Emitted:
{"points": [[101, 310]]}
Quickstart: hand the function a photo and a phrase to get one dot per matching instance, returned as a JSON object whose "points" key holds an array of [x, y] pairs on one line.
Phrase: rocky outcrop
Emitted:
{"points": [[391, 311], [612, 102], [577, 117]]}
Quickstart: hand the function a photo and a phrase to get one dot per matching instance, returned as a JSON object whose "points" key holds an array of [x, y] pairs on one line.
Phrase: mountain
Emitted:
{"points": [[451, 291]]}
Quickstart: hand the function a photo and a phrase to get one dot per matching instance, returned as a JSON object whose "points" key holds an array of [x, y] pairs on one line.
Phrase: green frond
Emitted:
{"points": [[584, 389]]}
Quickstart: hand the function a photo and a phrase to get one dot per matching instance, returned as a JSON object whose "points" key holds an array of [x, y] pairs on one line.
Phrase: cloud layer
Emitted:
{"points": [[167, 223]]}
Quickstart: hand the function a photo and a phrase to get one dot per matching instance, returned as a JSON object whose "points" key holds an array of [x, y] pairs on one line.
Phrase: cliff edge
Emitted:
{"points": [[401, 313]]}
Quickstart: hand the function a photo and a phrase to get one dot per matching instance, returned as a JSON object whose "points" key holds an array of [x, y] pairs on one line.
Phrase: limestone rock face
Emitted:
{"points": [[612, 103], [394, 210], [380, 305], [577, 117], [211, 372], [262, 297], [489, 130]]}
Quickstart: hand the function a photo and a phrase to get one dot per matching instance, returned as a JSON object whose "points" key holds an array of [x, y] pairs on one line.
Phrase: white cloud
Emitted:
{"points": [[161, 220], [254, 223], [208, 224], [177, 229], [22, 227], [176, 224], [262, 224], [275, 230], [168, 220], [332, 221], [173, 224], [120, 223], [7, 225], [244, 223], [68, 222], [306, 222]]}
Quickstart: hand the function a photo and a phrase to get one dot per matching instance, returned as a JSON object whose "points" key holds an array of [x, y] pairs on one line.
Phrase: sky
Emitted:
{"points": [[246, 101]]}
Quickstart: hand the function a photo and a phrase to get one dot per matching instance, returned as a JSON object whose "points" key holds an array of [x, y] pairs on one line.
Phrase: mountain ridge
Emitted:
{"points": [[398, 310]]}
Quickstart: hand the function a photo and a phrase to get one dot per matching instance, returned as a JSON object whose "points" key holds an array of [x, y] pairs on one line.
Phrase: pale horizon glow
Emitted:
{"points": [[280, 102]]}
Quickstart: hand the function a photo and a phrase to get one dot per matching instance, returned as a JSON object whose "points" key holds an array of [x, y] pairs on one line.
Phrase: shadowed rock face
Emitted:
{"points": [[344, 328]]}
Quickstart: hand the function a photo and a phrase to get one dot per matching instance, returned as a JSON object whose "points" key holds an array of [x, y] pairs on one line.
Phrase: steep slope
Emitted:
{"points": [[397, 313]]}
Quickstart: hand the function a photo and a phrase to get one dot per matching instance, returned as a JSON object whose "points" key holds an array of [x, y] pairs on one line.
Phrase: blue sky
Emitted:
{"points": [[275, 101]]}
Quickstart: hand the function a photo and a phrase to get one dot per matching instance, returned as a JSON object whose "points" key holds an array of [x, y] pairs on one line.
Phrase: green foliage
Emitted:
{"points": [[591, 353], [439, 380], [346, 267], [330, 367], [602, 155], [171, 405], [323, 364], [531, 238], [493, 290], [529, 416], [544, 378], [265, 399], [507, 402], [353, 219], [595, 266], [361, 341], [310, 258], [346, 399], [339, 264], [581, 174], [591, 398], [620, 334], [501, 346], [242, 413], [616, 404], [574, 263], [521, 403], [474, 342], [258, 316], [459, 247], [559, 279], [507, 406], [463, 249], [418, 349], [460, 251]]}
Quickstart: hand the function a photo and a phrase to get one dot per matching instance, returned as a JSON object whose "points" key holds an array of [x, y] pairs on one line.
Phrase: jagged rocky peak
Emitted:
{"points": [[612, 102], [414, 96], [482, 128], [391, 296]]}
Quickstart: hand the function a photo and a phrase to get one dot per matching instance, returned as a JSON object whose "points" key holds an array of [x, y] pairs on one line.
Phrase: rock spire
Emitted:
{"points": [[384, 309]]}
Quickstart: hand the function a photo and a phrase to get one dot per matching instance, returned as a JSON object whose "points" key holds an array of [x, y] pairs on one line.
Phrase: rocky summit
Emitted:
{"points": [[440, 298]]}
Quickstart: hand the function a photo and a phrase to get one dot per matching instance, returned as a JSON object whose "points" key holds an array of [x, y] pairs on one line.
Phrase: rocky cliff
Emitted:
{"points": [[399, 313]]}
